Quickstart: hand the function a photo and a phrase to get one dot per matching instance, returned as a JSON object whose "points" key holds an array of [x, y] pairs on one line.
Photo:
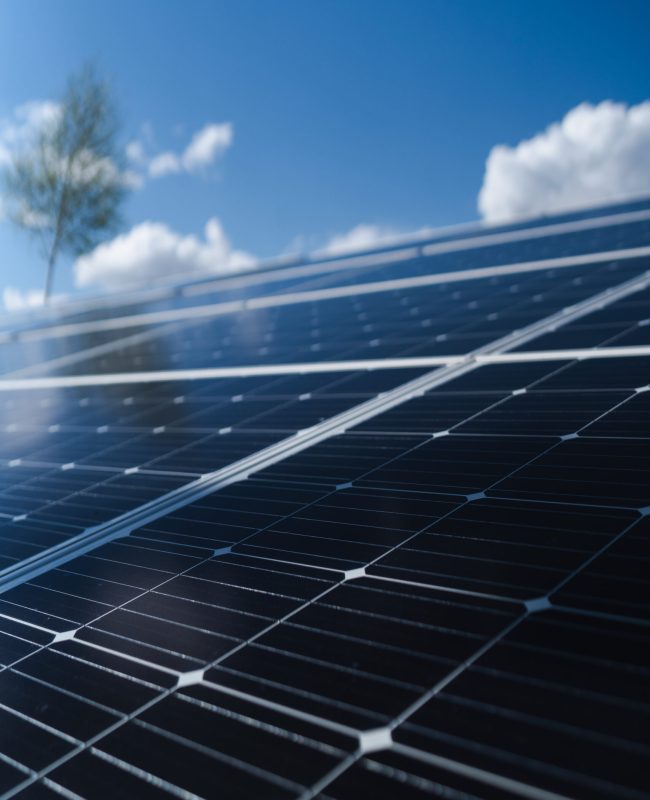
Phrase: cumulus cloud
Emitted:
{"points": [[596, 154], [135, 152], [20, 127], [361, 237], [206, 145], [17, 300], [132, 179], [164, 164], [204, 148], [151, 251]]}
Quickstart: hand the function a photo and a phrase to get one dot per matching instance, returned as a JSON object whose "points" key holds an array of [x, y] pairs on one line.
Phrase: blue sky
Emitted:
{"points": [[343, 112]]}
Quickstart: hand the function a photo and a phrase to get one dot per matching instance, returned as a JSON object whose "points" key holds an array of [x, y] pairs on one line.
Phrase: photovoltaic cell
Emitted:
{"points": [[444, 596], [521, 706], [508, 549], [615, 583], [442, 319], [586, 470]]}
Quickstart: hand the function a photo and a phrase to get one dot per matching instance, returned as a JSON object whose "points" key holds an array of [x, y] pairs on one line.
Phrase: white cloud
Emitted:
{"points": [[132, 179], [135, 152], [23, 124], [34, 114], [20, 129], [151, 251], [204, 148], [164, 164], [596, 154], [361, 237], [206, 145], [17, 300]]}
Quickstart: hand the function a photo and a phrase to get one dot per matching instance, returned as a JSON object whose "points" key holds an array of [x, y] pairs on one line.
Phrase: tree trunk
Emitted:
{"points": [[50, 275], [54, 250]]}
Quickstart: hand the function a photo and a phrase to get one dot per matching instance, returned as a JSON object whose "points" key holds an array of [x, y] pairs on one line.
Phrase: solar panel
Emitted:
{"points": [[374, 527]]}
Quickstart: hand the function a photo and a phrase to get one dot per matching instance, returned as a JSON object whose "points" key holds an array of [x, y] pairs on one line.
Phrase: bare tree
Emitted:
{"points": [[67, 187]]}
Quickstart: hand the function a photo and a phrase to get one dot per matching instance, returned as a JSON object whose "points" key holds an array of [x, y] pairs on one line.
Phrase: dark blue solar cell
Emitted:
{"points": [[379, 589]]}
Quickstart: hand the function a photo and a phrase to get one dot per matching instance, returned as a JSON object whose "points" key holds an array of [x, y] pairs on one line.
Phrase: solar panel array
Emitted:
{"points": [[368, 527]]}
